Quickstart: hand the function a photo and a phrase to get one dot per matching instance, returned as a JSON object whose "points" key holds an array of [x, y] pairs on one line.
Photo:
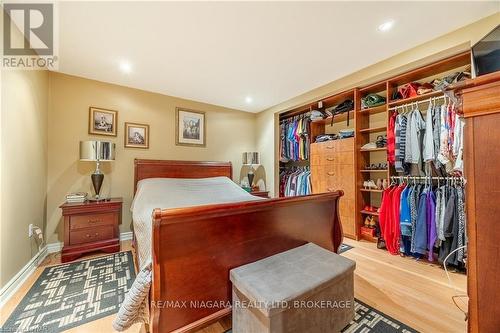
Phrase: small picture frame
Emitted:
{"points": [[102, 121], [190, 129], [136, 135]]}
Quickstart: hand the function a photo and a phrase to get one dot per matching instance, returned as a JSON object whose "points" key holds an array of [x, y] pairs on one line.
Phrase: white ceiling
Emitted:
{"points": [[222, 53]]}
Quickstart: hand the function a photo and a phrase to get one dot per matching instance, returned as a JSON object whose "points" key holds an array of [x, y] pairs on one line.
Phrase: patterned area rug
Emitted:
{"points": [[369, 320], [73, 294]]}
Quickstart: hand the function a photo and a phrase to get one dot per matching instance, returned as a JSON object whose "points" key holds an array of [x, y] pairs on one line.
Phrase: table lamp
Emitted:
{"points": [[251, 159], [98, 151]]}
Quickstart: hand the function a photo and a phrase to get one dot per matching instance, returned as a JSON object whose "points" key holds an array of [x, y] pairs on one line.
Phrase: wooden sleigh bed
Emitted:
{"points": [[193, 249]]}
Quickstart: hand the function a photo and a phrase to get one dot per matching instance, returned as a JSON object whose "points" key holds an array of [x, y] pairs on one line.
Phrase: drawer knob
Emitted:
{"points": [[329, 147], [330, 173], [94, 221], [329, 158]]}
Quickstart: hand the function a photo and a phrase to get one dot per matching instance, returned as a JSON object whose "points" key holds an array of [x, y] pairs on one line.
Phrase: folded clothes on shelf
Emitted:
{"points": [[372, 100], [346, 133], [326, 137]]}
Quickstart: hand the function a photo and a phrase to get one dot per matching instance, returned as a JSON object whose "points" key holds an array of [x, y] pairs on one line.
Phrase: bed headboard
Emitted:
{"points": [[180, 169]]}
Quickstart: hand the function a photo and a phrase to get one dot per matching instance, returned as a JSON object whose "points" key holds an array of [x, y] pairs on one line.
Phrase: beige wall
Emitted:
{"points": [[229, 133], [441, 47], [23, 176]]}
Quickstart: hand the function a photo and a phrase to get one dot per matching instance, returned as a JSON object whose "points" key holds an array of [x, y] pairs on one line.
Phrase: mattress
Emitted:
{"points": [[168, 193]]}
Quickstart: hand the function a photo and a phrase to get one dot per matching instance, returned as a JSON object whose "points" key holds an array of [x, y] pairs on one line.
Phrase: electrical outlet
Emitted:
{"points": [[30, 230]]}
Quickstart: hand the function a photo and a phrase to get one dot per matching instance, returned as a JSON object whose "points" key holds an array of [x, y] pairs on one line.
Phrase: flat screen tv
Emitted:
{"points": [[486, 53]]}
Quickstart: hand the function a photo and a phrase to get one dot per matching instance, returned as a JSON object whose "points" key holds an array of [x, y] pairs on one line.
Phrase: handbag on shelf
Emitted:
{"points": [[409, 90]]}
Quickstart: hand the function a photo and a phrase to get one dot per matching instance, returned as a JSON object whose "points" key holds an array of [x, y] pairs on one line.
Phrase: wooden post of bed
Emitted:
{"points": [[194, 248]]}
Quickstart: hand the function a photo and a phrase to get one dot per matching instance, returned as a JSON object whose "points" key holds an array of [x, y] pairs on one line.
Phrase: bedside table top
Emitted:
{"points": [[90, 204]]}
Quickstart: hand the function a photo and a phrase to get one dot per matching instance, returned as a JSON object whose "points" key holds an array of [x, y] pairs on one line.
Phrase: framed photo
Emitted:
{"points": [[136, 135], [102, 121], [190, 128]]}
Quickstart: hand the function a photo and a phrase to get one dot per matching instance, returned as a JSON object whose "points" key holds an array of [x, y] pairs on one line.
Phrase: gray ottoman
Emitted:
{"points": [[306, 289]]}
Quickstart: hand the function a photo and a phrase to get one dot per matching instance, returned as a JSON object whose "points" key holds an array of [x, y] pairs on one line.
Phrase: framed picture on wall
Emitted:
{"points": [[190, 128], [102, 121], [136, 135]]}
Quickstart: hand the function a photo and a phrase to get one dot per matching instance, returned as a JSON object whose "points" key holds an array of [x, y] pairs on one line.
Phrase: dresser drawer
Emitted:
{"points": [[90, 235], [330, 158], [92, 220]]}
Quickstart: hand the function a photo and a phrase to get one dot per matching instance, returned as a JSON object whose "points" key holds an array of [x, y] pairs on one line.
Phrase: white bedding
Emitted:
{"points": [[167, 193]]}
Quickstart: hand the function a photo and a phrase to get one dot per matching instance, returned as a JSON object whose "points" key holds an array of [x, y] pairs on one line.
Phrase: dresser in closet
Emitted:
{"points": [[333, 168]]}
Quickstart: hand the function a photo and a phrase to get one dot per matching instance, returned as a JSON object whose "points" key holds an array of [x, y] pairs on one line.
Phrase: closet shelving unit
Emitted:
{"points": [[371, 122], [320, 126], [368, 125]]}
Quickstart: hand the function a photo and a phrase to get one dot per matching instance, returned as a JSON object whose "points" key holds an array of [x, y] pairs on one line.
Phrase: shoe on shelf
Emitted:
{"points": [[379, 184], [371, 185], [381, 141], [385, 184], [369, 145], [373, 223], [367, 221]]}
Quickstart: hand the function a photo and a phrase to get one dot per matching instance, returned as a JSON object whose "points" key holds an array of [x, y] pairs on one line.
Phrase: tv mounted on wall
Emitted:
{"points": [[486, 53]]}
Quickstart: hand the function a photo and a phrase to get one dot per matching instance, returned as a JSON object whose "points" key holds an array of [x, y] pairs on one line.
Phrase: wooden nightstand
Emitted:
{"points": [[91, 226], [262, 194]]}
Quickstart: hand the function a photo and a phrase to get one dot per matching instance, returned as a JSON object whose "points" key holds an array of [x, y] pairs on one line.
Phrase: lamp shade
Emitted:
{"points": [[97, 151], [251, 157]]}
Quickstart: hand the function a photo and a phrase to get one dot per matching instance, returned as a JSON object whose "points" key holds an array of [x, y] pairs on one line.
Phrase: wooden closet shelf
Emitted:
{"points": [[374, 191], [336, 119], [374, 149], [415, 98], [374, 110], [373, 129], [374, 170]]}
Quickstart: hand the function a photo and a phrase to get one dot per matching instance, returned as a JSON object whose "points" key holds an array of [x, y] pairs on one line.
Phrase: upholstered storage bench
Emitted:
{"points": [[306, 289]]}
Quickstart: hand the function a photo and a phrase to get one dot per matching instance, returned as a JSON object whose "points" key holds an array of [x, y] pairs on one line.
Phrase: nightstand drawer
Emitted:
{"points": [[92, 220], [90, 235]]}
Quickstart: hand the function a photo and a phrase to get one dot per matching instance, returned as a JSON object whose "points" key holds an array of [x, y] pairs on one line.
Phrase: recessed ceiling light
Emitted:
{"points": [[248, 99], [125, 67], [386, 26]]}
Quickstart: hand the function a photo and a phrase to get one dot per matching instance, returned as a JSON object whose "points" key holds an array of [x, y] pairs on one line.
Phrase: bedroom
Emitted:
{"points": [[196, 81]]}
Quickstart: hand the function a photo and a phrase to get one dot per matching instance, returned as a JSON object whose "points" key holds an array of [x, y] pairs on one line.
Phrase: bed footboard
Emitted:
{"points": [[194, 249]]}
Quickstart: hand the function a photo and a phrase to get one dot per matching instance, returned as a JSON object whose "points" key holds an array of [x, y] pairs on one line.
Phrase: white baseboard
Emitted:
{"points": [[13, 285], [18, 280], [126, 236], [54, 247]]}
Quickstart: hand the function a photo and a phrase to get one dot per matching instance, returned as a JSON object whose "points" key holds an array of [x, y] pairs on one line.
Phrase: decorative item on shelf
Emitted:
{"points": [[102, 121], [190, 128], [136, 135], [76, 197], [97, 151], [251, 159]]}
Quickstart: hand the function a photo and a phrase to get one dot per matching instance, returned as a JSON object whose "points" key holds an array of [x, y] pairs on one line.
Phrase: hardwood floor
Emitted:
{"points": [[415, 293]]}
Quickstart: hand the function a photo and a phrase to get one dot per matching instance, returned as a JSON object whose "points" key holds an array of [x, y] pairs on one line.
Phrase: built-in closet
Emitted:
{"points": [[465, 116], [360, 166]]}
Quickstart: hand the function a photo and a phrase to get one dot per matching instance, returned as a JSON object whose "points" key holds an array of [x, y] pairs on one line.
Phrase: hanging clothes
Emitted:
{"points": [[295, 181], [418, 219], [391, 140], [427, 145], [294, 139]]}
